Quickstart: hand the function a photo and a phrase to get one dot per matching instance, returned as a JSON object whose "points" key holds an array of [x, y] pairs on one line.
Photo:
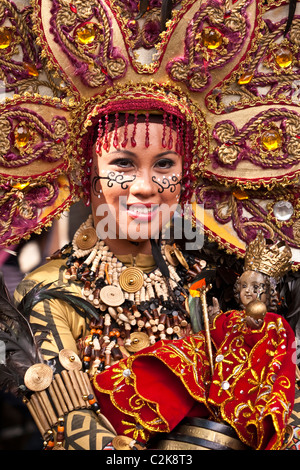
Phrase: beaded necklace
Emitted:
{"points": [[134, 307]]}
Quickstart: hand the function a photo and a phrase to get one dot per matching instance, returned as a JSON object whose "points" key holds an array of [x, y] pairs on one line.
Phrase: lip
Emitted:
{"points": [[142, 212]]}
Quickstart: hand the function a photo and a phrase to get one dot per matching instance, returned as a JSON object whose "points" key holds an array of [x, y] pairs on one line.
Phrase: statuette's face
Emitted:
{"points": [[251, 285], [140, 185]]}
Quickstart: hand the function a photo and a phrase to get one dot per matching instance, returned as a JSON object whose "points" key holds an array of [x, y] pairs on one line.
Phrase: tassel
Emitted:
{"points": [[124, 143], [116, 140]]}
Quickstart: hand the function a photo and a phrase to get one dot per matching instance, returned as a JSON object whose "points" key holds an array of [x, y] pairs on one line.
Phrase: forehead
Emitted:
{"points": [[252, 277]]}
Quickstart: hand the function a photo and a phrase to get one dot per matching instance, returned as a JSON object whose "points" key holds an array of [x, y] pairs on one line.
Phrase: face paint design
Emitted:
{"points": [[111, 178], [169, 183]]}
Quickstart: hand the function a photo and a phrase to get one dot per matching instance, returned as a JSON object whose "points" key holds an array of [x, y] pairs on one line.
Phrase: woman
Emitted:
{"points": [[139, 184], [149, 370]]}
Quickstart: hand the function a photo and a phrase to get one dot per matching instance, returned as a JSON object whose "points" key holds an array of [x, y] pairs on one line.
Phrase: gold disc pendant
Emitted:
{"points": [[38, 377], [139, 341], [86, 239], [180, 257], [122, 442], [170, 255], [131, 280], [69, 360]]}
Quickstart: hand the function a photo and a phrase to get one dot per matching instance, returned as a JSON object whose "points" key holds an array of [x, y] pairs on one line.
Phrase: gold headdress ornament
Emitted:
{"points": [[273, 260], [227, 66]]}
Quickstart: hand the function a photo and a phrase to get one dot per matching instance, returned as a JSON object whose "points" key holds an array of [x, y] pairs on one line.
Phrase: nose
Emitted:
{"points": [[143, 185]]}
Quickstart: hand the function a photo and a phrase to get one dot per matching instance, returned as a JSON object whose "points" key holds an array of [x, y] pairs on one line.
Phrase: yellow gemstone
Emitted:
{"points": [[22, 136], [31, 69], [86, 33], [271, 139], [211, 38], [284, 57], [240, 195], [20, 185], [245, 78], [5, 37]]}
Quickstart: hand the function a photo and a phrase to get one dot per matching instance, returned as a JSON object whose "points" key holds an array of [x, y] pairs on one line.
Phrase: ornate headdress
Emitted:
{"points": [[227, 69], [274, 260]]}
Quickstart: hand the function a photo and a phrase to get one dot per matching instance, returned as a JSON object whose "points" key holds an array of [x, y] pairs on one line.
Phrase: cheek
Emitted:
{"points": [[114, 196], [242, 293], [109, 185], [170, 188]]}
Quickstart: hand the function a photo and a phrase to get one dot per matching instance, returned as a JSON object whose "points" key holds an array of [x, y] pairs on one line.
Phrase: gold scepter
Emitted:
{"points": [[199, 289], [202, 292]]}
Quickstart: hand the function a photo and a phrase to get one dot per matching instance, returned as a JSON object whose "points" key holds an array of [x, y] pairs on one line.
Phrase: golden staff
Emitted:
{"points": [[202, 292], [199, 289]]}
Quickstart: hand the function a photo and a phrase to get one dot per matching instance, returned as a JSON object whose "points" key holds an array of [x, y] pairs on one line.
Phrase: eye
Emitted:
{"points": [[124, 163], [164, 164]]}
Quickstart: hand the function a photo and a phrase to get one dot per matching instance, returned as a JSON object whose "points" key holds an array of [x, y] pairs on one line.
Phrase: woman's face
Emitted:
{"points": [[135, 189], [251, 284]]}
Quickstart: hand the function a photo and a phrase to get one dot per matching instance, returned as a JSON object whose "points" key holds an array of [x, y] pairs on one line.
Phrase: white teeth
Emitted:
{"points": [[141, 210]]}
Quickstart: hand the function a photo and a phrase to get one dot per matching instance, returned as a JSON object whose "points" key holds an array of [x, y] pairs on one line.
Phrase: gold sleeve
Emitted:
{"points": [[65, 326]]}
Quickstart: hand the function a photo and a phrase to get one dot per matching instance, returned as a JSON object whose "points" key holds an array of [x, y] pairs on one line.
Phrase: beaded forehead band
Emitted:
{"points": [[113, 122]]}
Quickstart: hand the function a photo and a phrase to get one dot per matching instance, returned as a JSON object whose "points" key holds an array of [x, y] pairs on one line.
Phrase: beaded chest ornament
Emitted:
{"points": [[138, 307]]}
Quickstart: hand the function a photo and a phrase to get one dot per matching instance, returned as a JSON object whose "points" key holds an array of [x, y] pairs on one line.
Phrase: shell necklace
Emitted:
{"points": [[137, 307]]}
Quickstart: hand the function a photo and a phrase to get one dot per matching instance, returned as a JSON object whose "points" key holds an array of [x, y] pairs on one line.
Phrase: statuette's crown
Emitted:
{"points": [[273, 260]]}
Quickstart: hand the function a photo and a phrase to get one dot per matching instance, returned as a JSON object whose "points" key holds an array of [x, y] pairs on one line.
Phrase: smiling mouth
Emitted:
{"points": [[142, 212]]}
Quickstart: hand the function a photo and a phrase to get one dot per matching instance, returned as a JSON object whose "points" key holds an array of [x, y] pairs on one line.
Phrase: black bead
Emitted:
{"points": [[95, 407]]}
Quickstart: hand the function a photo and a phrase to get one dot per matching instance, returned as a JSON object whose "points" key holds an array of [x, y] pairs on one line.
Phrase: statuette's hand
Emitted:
{"points": [[253, 323], [214, 309]]}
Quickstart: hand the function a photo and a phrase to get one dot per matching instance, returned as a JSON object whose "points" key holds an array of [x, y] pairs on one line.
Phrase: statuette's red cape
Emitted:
{"points": [[252, 387]]}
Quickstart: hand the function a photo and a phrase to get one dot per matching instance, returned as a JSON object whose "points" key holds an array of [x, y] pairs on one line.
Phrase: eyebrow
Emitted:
{"points": [[132, 154]]}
